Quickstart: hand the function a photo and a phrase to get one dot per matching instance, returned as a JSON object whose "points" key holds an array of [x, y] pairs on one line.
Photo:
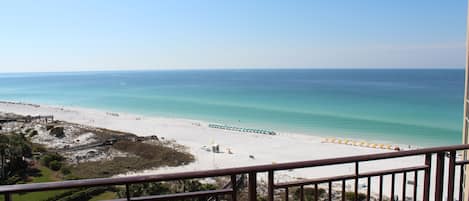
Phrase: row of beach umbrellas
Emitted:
{"points": [[360, 143], [247, 130]]}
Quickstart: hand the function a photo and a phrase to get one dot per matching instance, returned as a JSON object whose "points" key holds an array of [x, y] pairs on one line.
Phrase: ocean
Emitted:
{"points": [[418, 107]]}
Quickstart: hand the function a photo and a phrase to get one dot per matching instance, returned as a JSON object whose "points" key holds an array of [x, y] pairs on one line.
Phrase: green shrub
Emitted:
{"points": [[137, 190], [49, 157], [350, 196], [62, 195], [11, 180], [309, 193], [55, 165], [65, 170], [79, 194], [84, 194]]}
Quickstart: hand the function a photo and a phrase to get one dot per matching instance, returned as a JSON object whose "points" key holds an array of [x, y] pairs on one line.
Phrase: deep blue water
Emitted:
{"points": [[423, 107]]}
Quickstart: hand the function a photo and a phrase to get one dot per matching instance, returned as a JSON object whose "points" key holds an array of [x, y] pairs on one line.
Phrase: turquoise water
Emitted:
{"points": [[422, 107]]}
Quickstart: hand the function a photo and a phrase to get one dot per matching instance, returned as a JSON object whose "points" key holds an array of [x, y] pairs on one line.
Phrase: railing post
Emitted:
{"points": [[393, 179], [356, 180], [252, 185], [286, 194], [368, 189], [302, 197], [127, 192], [380, 197], [270, 185], [451, 166], [316, 192], [404, 185], [343, 190], [461, 182], [416, 175], [7, 197], [234, 187], [426, 179], [440, 168]]}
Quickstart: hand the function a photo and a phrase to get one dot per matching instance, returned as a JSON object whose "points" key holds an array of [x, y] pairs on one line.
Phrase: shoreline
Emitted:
{"points": [[323, 135], [237, 149]]}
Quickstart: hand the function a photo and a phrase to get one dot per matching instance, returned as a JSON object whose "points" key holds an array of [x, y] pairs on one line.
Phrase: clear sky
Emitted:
{"points": [[185, 34]]}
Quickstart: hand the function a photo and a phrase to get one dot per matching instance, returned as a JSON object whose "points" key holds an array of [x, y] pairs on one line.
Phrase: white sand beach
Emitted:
{"points": [[266, 149]]}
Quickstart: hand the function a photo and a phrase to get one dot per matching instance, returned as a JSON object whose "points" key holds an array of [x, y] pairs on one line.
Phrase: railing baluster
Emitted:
{"points": [[270, 185], [343, 190], [7, 197], [461, 182], [393, 178], [330, 190], [127, 192], [286, 194], [316, 192], [356, 180], [426, 179], [368, 189], [302, 197], [234, 187], [440, 168], [404, 184], [252, 186], [416, 174], [451, 167], [380, 188]]}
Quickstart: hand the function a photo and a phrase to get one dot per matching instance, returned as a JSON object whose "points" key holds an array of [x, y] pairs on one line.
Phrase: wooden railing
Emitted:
{"points": [[444, 173]]}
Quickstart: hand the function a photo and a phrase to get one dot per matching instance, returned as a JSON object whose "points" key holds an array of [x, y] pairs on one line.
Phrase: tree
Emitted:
{"points": [[4, 144], [14, 148]]}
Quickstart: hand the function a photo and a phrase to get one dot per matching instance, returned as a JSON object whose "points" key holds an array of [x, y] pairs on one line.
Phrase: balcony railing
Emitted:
{"points": [[439, 179]]}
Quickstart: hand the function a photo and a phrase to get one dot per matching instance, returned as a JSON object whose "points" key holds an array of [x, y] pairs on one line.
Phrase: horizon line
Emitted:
{"points": [[229, 68]]}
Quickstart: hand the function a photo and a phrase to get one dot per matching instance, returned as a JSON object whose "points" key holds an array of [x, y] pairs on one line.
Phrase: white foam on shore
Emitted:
{"points": [[266, 149]]}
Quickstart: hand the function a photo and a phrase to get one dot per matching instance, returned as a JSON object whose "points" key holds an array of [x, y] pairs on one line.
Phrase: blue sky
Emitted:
{"points": [[187, 34]]}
